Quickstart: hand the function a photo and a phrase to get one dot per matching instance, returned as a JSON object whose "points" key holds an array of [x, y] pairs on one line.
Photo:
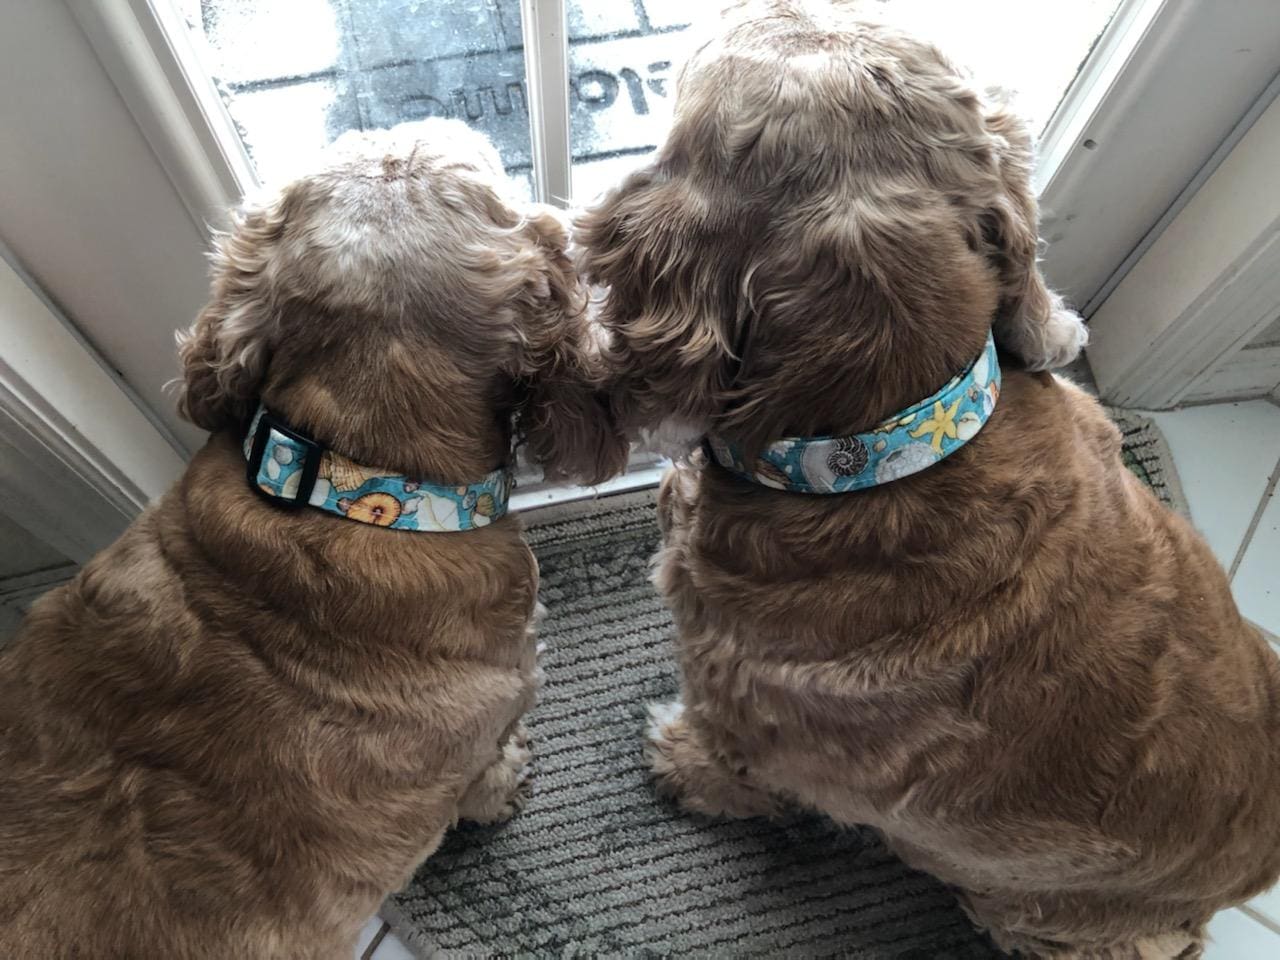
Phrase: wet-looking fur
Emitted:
{"points": [[241, 727], [1017, 664]]}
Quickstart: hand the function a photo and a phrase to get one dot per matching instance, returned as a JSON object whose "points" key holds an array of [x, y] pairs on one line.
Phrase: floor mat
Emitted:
{"points": [[595, 865]]}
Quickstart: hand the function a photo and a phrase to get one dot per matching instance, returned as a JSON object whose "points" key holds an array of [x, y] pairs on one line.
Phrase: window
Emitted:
{"points": [[296, 73], [623, 59]]}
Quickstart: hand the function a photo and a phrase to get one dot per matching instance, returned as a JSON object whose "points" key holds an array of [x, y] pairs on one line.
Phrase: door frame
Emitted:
{"points": [[79, 459]]}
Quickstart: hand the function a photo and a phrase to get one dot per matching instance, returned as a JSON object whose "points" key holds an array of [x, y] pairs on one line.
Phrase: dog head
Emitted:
{"points": [[833, 224], [398, 306]]}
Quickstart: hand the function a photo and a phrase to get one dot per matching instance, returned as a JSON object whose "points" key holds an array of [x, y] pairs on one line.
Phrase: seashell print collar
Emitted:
{"points": [[292, 470], [906, 443]]}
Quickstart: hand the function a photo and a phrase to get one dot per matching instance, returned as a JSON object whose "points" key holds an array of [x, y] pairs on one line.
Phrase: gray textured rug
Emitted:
{"points": [[1146, 454], [595, 865]]}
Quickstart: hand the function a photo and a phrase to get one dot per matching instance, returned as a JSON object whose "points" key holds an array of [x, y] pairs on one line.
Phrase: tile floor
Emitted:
{"points": [[1228, 458], [389, 947]]}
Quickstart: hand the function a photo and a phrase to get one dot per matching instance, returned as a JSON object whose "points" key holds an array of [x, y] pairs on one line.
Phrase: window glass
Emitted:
{"points": [[621, 54], [297, 73], [1032, 48], [623, 58]]}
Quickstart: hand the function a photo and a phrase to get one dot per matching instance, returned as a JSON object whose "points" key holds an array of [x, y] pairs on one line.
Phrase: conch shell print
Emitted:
{"points": [[344, 474]]}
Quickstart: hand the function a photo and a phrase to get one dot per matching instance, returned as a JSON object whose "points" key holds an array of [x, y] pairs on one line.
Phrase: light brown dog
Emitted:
{"points": [[1016, 664], [242, 726]]}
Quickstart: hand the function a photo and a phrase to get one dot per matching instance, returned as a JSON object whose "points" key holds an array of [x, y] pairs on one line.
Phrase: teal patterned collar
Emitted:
{"points": [[292, 470], [906, 443]]}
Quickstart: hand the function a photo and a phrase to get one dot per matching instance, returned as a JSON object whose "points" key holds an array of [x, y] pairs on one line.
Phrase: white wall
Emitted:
{"points": [[86, 208]]}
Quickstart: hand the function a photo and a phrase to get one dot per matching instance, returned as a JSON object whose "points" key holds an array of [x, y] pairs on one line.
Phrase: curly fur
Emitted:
{"points": [[397, 264], [786, 198], [241, 727], [1017, 665]]}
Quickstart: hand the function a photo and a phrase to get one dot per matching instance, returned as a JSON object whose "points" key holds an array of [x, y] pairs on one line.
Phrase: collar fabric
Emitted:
{"points": [[906, 443], [292, 470]]}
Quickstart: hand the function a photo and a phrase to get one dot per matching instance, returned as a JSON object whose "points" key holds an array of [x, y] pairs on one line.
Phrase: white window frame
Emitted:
{"points": [[1092, 149], [146, 51], [546, 67]]}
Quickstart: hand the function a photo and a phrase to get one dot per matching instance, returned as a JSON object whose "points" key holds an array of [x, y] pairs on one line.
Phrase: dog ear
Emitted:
{"points": [[565, 420], [225, 353], [672, 273], [1032, 322]]}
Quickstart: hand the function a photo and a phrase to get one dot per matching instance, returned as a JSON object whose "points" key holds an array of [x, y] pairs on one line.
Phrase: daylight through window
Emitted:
{"points": [[297, 73]]}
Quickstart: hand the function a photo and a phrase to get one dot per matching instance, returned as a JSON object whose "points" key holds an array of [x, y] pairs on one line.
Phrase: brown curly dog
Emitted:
{"points": [[1016, 664]]}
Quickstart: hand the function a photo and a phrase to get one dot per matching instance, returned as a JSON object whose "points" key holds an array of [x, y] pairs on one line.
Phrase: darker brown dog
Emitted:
{"points": [[1016, 664]]}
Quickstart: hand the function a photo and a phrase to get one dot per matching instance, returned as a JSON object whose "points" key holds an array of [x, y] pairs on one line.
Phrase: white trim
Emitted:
{"points": [[146, 51], [9, 261], [78, 458], [1097, 89], [1189, 191], [1206, 288], [541, 495], [25, 587], [1250, 374], [546, 65], [17, 593]]}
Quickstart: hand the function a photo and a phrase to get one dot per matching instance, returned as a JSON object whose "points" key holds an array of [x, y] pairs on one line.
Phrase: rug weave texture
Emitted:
{"points": [[595, 865]]}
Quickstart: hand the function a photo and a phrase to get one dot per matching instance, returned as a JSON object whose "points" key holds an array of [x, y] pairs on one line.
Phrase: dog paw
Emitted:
{"points": [[1065, 335], [660, 747], [700, 781], [674, 438], [662, 716], [502, 790], [1050, 343]]}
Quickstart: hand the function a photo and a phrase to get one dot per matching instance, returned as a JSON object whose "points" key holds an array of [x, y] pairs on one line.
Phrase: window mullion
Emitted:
{"points": [[546, 64]]}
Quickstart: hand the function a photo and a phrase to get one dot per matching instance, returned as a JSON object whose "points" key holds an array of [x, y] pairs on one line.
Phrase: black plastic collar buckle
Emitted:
{"points": [[310, 465]]}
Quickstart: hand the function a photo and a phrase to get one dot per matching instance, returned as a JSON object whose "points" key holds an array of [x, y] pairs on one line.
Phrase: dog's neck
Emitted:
{"points": [[399, 404]]}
